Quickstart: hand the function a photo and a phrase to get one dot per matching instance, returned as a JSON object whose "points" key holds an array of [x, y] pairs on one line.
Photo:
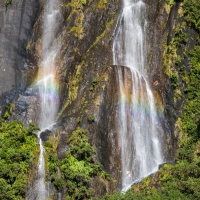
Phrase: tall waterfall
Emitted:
{"points": [[141, 151], [47, 85]]}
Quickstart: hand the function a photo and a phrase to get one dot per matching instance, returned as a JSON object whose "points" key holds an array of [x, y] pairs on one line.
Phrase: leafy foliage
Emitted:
{"points": [[52, 163], [6, 3], [174, 80], [95, 81], [192, 13], [170, 2], [191, 116], [78, 166], [76, 4], [91, 118], [17, 148], [8, 111]]}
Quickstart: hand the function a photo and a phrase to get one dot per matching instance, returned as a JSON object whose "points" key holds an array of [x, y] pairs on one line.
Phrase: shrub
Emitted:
{"points": [[17, 147], [192, 13], [7, 2], [58, 183], [78, 166], [95, 81], [91, 118], [174, 80], [8, 111]]}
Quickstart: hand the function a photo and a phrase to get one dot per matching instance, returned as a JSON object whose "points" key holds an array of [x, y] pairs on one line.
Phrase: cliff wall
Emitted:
{"points": [[86, 77], [16, 24]]}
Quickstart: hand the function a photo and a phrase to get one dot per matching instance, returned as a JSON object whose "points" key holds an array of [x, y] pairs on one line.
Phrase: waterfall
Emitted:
{"points": [[140, 132], [47, 82], [49, 96], [41, 189]]}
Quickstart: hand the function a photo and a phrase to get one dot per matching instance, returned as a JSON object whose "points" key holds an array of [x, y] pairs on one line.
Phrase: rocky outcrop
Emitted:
{"points": [[17, 20], [88, 82]]}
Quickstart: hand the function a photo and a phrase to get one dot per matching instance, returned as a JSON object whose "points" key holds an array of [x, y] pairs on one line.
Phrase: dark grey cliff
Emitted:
{"points": [[16, 23]]}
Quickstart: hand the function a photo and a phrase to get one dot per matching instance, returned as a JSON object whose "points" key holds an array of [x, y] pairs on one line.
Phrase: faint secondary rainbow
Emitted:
{"points": [[51, 85], [142, 105]]}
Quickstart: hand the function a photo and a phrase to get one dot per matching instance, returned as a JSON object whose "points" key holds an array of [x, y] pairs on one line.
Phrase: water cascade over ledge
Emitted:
{"points": [[48, 89], [140, 131]]}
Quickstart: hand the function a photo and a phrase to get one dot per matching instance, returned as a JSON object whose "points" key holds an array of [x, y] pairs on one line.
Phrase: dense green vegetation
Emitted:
{"points": [[192, 13], [77, 168], [18, 147]]}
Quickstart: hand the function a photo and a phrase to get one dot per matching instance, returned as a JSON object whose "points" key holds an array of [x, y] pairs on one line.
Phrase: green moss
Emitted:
{"points": [[73, 88], [28, 45], [191, 115], [175, 53], [79, 120], [95, 81], [98, 39], [171, 58], [8, 111], [75, 4], [77, 9], [77, 29], [170, 2], [102, 3], [7, 2], [91, 118]]}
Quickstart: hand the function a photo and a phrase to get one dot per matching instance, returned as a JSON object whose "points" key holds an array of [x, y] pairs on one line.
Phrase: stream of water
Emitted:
{"points": [[141, 151], [47, 86]]}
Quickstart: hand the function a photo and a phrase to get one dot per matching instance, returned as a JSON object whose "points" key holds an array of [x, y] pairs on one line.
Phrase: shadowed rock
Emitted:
{"points": [[45, 135]]}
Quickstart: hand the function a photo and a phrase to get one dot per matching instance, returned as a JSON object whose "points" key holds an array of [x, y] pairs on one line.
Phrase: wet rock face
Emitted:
{"points": [[16, 26], [159, 28], [27, 107], [46, 134]]}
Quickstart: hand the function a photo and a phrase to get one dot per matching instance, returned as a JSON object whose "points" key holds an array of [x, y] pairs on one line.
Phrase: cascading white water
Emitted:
{"points": [[141, 151], [41, 190], [47, 85], [48, 89]]}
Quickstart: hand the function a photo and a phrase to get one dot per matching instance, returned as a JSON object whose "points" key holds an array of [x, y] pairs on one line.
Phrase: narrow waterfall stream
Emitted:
{"points": [[141, 151], [47, 86]]}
